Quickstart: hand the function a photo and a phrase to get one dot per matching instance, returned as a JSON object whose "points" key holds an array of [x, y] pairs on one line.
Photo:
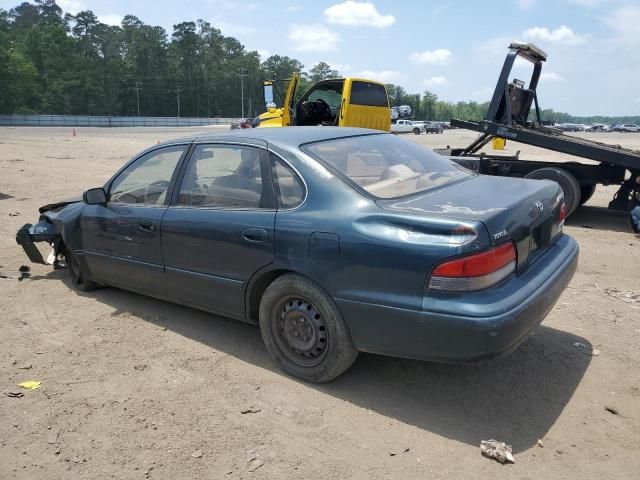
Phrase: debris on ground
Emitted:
{"points": [[612, 410], [26, 366], [24, 272], [499, 451], [14, 214], [595, 352], [53, 435], [539, 443], [14, 394], [30, 384], [251, 409], [255, 464], [197, 454], [626, 296]]}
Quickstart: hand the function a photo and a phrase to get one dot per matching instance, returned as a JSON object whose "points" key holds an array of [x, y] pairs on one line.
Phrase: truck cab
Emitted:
{"points": [[342, 102]]}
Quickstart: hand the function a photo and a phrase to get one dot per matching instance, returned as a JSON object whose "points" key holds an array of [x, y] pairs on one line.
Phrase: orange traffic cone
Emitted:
{"points": [[73, 132]]}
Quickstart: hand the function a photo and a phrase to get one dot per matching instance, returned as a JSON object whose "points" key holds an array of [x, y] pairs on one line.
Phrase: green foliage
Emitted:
{"points": [[52, 62]]}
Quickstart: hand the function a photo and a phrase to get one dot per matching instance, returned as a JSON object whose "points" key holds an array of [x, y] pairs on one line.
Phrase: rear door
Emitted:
{"points": [[121, 239], [219, 228], [365, 104]]}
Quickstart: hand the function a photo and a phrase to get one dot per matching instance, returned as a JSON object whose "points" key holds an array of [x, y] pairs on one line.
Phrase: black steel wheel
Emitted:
{"points": [[78, 279], [300, 331], [303, 330]]}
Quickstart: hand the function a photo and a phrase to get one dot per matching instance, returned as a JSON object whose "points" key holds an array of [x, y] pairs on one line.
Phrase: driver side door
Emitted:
{"points": [[121, 239]]}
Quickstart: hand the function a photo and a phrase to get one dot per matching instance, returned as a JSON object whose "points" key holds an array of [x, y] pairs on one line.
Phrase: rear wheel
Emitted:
{"points": [[568, 183], [78, 279], [303, 330], [416, 131], [586, 192]]}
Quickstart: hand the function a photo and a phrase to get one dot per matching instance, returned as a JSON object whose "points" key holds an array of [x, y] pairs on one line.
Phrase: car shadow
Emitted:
{"points": [[600, 218], [516, 398]]}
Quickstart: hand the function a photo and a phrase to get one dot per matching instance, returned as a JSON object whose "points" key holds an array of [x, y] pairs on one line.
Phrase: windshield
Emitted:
{"points": [[387, 166]]}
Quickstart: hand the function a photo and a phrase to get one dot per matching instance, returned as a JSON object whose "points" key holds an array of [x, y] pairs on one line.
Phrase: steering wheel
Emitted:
{"points": [[324, 108]]}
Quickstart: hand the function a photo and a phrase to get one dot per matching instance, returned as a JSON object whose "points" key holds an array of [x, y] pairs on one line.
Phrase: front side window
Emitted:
{"points": [[225, 176], [387, 166], [146, 181]]}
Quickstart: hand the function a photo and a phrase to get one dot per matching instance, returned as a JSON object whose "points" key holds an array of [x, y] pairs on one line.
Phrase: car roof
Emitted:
{"points": [[286, 136]]}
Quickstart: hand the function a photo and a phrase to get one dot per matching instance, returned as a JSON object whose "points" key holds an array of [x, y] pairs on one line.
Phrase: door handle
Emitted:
{"points": [[146, 226], [255, 235]]}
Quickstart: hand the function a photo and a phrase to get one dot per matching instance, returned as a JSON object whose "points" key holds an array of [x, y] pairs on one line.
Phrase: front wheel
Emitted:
{"points": [[78, 279], [416, 131], [303, 330]]}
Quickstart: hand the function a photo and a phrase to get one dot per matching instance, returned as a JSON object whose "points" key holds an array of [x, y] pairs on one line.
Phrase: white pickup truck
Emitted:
{"points": [[407, 126]]}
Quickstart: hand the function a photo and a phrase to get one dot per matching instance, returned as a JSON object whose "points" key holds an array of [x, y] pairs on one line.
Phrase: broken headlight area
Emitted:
{"points": [[43, 231]]}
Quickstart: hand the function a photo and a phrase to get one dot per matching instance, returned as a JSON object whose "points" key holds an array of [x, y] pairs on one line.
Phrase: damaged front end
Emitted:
{"points": [[49, 230]]}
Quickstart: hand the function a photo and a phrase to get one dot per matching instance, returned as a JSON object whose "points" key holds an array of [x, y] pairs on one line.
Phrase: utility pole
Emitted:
{"points": [[243, 74], [137, 89], [178, 90]]}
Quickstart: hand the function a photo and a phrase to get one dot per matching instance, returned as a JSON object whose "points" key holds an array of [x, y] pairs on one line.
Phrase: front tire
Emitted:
{"points": [[78, 279], [416, 131], [303, 330]]}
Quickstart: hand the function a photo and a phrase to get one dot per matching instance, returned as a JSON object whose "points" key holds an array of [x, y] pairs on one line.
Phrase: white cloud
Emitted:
{"points": [[436, 82], [385, 76], [234, 29], [482, 95], [588, 3], [264, 54], [562, 35], [625, 22], [525, 4], [293, 8], [440, 56], [551, 77], [312, 38], [71, 6], [111, 19], [355, 14]]}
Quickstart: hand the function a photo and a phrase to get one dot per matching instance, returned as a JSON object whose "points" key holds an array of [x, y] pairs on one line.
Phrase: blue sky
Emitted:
{"points": [[453, 48]]}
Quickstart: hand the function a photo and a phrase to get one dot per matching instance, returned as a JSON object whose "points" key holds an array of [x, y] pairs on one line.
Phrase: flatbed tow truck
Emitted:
{"points": [[508, 117]]}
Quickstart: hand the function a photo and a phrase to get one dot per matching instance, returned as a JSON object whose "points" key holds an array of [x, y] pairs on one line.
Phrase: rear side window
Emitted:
{"points": [[369, 94], [225, 176], [289, 188]]}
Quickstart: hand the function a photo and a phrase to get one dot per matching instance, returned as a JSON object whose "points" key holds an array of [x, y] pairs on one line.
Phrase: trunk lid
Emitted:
{"points": [[524, 211]]}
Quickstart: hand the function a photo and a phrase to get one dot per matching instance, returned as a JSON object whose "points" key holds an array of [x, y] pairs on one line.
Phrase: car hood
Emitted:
{"points": [[60, 204]]}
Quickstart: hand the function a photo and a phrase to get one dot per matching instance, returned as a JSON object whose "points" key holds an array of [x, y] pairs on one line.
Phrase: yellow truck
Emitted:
{"points": [[342, 102]]}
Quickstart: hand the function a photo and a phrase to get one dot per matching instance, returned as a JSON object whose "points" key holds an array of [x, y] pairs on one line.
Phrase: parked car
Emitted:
{"points": [[333, 240], [407, 126], [629, 127], [598, 127], [433, 127]]}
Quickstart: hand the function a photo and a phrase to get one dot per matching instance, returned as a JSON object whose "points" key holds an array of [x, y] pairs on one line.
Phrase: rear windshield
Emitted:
{"points": [[369, 94], [387, 166]]}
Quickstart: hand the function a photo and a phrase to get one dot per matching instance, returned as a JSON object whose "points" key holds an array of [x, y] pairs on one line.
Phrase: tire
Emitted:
{"points": [[77, 276], [416, 131], [586, 192], [567, 182], [303, 330]]}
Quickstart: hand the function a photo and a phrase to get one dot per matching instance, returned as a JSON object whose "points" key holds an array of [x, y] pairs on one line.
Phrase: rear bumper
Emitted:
{"points": [[465, 328]]}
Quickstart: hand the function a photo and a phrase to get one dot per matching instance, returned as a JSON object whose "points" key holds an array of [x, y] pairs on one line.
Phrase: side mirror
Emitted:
{"points": [[95, 196]]}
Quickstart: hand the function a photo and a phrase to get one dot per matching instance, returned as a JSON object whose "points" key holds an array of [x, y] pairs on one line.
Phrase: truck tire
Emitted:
{"points": [[586, 192], [568, 183], [416, 131], [304, 331]]}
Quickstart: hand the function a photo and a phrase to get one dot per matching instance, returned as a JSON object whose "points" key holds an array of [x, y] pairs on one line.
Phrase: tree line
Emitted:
{"points": [[58, 63]]}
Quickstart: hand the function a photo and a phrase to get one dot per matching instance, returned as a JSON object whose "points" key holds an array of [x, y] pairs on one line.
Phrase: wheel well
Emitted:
{"points": [[257, 290]]}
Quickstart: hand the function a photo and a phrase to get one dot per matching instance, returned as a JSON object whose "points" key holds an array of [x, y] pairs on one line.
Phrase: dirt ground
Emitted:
{"points": [[134, 387]]}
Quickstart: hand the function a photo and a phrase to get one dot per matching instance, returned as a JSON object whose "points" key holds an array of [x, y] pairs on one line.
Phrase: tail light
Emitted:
{"points": [[561, 216], [475, 272]]}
